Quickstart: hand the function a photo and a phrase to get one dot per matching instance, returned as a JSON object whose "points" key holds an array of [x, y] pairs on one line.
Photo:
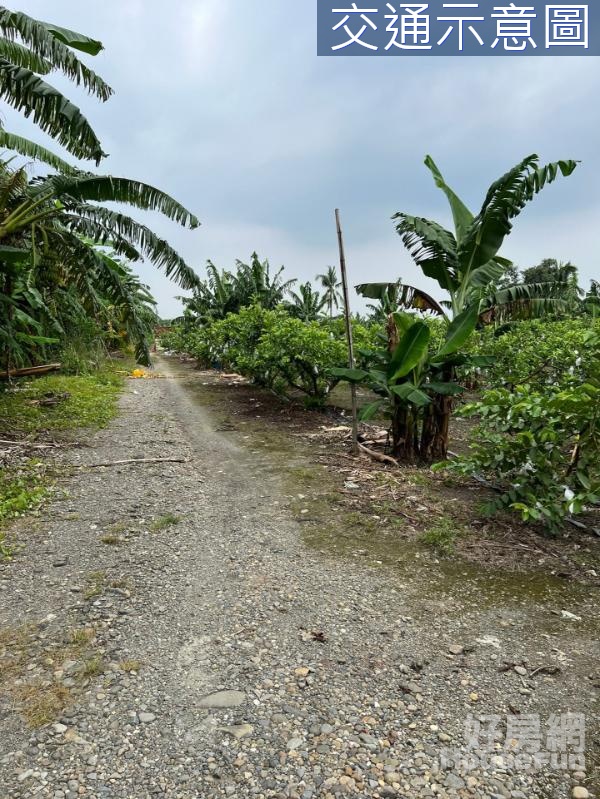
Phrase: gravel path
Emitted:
{"points": [[203, 650]]}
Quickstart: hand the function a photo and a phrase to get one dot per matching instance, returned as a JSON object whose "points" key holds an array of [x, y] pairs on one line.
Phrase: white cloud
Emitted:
{"points": [[224, 104]]}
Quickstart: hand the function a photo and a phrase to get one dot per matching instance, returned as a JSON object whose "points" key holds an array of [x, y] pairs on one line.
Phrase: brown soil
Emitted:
{"points": [[404, 502]]}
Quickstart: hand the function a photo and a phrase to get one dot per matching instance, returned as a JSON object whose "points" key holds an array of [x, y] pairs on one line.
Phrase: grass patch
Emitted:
{"points": [[90, 401], [118, 527], [306, 475], [14, 643], [130, 665], [112, 540], [41, 702], [6, 549], [96, 582], [92, 667], [164, 522], [41, 697], [81, 637], [23, 488], [85, 401], [441, 536]]}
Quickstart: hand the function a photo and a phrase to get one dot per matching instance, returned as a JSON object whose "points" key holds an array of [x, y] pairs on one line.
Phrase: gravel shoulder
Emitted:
{"points": [[199, 647]]}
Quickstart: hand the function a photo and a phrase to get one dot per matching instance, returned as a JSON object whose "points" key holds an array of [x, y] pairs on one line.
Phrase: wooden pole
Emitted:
{"points": [[355, 450]]}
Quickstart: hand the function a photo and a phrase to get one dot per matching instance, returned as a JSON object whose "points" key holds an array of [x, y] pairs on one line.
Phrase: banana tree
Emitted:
{"points": [[47, 227], [415, 383], [30, 48], [466, 265], [254, 284], [59, 210], [306, 303], [22, 312]]}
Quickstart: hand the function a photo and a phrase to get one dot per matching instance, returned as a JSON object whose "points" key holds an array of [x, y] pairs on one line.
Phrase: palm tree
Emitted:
{"points": [[306, 304], [30, 48], [331, 285]]}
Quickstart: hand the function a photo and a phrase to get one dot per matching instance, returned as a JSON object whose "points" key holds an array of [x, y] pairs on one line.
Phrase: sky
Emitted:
{"points": [[225, 105]]}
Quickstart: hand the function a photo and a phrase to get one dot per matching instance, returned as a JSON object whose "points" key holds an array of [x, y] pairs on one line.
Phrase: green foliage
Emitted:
{"points": [[177, 338], [366, 337], [164, 522], [22, 488], [538, 352], [54, 269], [441, 535], [63, 308], [415, 382], [465, 262], [300, 355], [541, 447], [411, 349], [274, 349], [89, 401], [232, 342], [466, 265], [224, 292], [306, 303], [561, 278], [30, 48]]}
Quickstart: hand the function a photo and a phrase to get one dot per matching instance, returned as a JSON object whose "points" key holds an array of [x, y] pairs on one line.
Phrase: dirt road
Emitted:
{"points": [[189, 644]]}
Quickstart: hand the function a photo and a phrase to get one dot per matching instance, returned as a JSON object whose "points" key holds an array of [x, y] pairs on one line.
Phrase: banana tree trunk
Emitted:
{"points": [[8, 289], [436, 424], [439, 444], [428, 430], [405, 427]]}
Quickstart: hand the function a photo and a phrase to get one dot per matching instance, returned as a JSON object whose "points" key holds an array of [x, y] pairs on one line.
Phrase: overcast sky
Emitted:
{"points": [[225, 105]]}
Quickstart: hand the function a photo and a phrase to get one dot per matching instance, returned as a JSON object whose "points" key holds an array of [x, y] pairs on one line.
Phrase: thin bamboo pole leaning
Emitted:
{"points": [[355, 449]]}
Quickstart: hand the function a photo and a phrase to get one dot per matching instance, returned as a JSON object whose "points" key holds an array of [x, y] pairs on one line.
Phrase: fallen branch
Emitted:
{"points": [[545, 670], [369, 442], [378, 456], [30, 370], [132, 460]]}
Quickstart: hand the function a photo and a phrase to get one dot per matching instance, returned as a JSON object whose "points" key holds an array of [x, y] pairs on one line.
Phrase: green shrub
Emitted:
{"points": [[271, 347], [301, 354], [541, 447], [537, 352], [366, 337]]}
